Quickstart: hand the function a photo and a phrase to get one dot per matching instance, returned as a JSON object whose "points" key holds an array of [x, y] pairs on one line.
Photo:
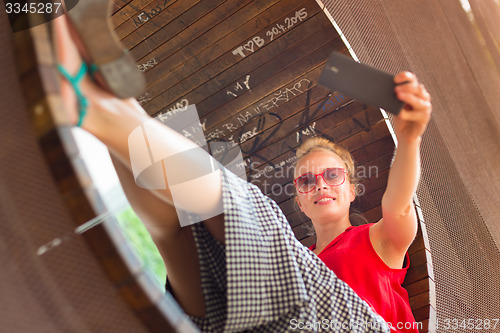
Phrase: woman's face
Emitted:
{"points": [[336, 199]]}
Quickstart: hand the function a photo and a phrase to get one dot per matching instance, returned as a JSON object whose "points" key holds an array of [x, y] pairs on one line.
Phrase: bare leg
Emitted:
{"points": [[112, 120], [175, 244]]}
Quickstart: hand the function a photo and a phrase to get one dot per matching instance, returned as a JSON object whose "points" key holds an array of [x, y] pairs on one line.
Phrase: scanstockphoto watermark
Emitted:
{"points": [[185, 169], [278, 181], [335, 325]]}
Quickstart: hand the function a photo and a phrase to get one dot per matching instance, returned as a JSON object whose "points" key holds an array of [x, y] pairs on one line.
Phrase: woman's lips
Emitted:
{"points": [[325, 201]]}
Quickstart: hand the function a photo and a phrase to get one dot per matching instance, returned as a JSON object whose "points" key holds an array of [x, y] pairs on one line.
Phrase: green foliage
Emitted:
{"points": [[142, 244]]}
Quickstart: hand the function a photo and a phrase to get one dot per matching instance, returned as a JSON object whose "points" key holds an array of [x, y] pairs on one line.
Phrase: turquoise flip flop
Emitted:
{"points": [[75, 81], [117, 69]]}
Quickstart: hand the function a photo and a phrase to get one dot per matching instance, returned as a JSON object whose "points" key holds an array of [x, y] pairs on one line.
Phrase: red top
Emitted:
{"points": [[353, 259]]}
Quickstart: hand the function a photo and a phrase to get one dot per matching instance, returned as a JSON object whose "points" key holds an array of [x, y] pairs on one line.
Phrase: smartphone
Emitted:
{"points": [[361, 82]]}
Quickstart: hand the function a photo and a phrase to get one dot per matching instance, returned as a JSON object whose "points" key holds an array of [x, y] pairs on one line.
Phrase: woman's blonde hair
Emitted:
{"points": [[317, 143]]}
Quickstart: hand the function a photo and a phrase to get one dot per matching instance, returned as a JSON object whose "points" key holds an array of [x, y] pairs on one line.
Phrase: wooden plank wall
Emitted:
{"points": [[251, 68]]}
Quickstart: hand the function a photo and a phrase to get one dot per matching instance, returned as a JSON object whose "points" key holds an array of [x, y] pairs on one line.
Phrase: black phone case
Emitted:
{"points": [[361, 82]]}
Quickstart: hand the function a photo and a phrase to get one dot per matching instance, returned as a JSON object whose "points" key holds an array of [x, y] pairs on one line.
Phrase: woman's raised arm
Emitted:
{"points": [[398, 226]]}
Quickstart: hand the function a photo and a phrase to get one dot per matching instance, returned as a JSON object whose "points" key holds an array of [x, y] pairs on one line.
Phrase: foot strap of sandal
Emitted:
{"points": [[75, 83]]}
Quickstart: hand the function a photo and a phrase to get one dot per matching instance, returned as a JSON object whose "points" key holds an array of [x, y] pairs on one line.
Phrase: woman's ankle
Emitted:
{"points": [[110, 118]]}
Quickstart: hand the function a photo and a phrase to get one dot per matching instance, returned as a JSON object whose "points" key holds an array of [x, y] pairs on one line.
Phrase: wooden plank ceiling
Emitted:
{"points": [[251, 69]]}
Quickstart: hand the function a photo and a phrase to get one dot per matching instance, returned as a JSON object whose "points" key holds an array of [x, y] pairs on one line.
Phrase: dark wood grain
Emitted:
{"points": [[183, 87], [170, 17], [231, 31], [136, 13]]}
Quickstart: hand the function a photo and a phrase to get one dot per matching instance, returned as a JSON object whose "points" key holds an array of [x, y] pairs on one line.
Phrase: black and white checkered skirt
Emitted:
{"points": [[265, 280]]}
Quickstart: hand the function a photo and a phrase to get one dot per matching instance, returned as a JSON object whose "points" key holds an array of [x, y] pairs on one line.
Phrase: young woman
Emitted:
{"points": [[369, 258], [240, 270]]}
